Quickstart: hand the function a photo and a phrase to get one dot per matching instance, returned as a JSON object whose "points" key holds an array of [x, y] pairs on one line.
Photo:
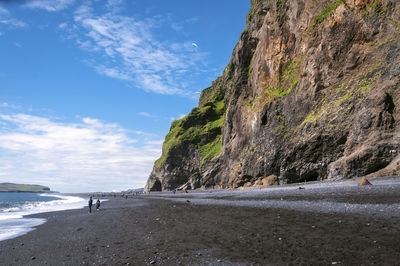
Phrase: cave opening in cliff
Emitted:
{"points": [[305, 177], [310, 176], [156, 186]]}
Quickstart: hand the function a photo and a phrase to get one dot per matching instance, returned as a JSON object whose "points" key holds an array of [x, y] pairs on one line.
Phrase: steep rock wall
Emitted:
{"points": [[312, 89]]}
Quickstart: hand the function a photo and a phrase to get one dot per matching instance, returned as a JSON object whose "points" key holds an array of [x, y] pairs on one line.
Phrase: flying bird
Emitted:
{"points": [[195, 44]]}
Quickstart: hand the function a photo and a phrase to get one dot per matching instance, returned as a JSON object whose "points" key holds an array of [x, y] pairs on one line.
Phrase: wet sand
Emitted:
{"points": [[168, 229]]}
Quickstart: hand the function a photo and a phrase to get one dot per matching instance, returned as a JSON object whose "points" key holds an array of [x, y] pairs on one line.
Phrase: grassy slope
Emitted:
{"points": [[9, 187], [201, 128]]}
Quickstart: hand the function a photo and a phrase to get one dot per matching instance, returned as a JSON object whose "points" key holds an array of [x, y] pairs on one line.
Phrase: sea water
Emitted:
{"points": [[15, 205]]}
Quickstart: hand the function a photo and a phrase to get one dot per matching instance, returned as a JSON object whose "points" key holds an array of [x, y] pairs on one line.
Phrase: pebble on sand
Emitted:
{"points": [[364, 182]]}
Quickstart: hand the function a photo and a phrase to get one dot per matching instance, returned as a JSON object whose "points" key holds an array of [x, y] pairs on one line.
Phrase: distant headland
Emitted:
{"points": [[10, 187]]}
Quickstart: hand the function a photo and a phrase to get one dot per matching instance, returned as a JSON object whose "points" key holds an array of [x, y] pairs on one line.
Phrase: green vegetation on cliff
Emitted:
{"points": [[318, 19], [9, 187], [287, 81], [201, 128]]}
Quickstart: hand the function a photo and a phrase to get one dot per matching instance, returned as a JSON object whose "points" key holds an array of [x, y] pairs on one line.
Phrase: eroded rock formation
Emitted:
{"points": [[312, 89]]}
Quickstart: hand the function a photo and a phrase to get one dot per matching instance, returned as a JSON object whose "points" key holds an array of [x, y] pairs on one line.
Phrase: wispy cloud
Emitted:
{"points": [[50, 5], [180, 116], [114, 5], [130, 50], [13, 22], [63, 25], [89, 155], [147, 114], [7, 19], [3, 11], [179, 26]]}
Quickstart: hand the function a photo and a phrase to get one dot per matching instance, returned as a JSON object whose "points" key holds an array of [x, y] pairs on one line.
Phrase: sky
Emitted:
{"points": [[88, 89]]}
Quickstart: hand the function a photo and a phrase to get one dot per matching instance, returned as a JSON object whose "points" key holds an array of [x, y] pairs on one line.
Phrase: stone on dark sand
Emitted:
{"points": [[364, 182]]}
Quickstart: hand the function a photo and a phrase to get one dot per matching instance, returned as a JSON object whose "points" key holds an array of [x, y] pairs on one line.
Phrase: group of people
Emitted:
{"points": [[91, 203], [321, 178]]}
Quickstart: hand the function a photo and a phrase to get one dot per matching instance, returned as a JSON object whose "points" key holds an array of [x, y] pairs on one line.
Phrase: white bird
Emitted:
{"points": [[195, 44]]}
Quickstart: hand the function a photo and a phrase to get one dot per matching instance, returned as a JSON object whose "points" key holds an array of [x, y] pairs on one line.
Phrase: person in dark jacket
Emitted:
{"points": [[97, 204], [90, 204]]}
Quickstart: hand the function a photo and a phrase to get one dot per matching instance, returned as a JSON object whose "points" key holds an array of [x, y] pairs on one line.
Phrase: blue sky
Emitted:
{"points": [[88, 89]]}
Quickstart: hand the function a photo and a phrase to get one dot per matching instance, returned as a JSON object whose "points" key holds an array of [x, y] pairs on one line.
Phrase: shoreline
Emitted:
{"points": [[152, 229], [20, 220]]}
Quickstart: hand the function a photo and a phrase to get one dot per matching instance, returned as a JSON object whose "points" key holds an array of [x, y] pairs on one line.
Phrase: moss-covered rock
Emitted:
{"points": [[202, 128]]}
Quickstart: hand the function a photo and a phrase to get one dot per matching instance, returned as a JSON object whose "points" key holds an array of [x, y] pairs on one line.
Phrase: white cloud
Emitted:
{"points": [[147, 114], [87, 156], [131, 51], [157, 142], [5, 18], [3, 11], [7, 105], [13, 22], [114, 5], [83, 11], [63, 25], [180, 116], [50, 5], [113, 73]]}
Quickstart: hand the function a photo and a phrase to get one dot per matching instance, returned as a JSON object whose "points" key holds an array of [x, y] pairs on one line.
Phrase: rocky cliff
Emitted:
{"points": [[313, 88]]}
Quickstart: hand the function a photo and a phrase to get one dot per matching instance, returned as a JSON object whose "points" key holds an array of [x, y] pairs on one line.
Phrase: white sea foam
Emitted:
{"points": [[14, 227], [64, 203], [13, 223]]}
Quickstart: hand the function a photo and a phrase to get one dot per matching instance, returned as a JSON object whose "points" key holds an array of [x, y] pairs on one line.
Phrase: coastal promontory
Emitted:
{"points": [[10, 187]]}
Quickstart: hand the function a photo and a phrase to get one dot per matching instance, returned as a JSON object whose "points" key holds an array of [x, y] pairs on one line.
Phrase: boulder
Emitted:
{"points": [[271, 180], [364, 182], [258, 183], [248, 184], [217, 187]]}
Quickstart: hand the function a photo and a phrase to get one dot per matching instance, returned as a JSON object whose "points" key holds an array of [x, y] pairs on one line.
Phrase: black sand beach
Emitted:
{"points": [[167, 229]]}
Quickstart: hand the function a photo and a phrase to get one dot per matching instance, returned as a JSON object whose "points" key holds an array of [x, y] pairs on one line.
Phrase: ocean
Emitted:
{"points": [[14, 206]]}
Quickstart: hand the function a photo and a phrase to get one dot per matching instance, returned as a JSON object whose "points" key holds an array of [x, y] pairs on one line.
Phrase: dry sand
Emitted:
{"points": [[168, 229]]}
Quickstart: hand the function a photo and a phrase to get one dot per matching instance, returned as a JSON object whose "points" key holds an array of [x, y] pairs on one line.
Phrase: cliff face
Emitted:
{"points": [[313, 88]]}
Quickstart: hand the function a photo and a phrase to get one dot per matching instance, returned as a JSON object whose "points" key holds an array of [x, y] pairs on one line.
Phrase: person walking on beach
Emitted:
{"points": [[90, 204], [97, 204]]}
